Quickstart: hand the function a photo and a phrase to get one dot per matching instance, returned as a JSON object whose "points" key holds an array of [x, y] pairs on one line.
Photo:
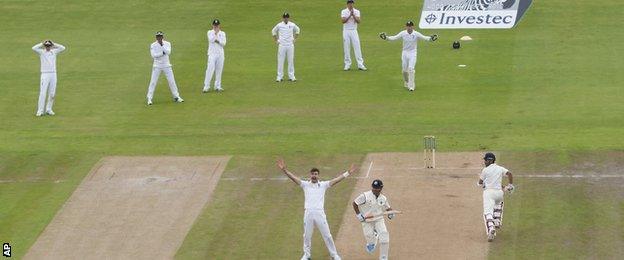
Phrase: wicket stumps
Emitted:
{"points": [[429, 143]]}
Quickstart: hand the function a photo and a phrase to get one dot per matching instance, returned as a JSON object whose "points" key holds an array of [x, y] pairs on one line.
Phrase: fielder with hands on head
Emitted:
{"points": [[47, 51], [491, 182], [285, 34], [216, 55], [314, 215], [410, 48], [368, 208], [350, 18], [160, 51]]}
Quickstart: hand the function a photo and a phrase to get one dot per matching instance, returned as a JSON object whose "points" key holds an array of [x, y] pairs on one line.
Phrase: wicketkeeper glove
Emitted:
{"points": [[434, 37], [383, 36], [360, 217], [391, 216]]}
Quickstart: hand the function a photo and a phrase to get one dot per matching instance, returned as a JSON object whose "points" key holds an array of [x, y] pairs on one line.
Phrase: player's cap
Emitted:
{"points": [[489, 156], [216, 22], [377, 184], [285, 15], [409, 23], [350, 1], [47, 43], [159, 33]]}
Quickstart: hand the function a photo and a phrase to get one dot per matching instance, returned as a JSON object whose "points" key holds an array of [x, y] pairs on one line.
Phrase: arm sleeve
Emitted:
{"points": [[297, 30], [344, 14], [59, 48], [360, 199], [504, 170], [303, 184], [155, 51], [386, 205], [422, 37], [357, 13], [395, 37], [37, 48], [223, 40], [211, 37], [167, 48], [274, 30]]}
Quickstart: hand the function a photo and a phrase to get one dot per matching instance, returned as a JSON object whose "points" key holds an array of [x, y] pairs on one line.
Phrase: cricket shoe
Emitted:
{"points": [[363, 69], [346, 68], [279, 80], [205, 90], [336, 257], [219, 90], [178, 100], [39, 113], [411, 89], [370, 248], [305, 257], [149, 102], [50, 112], [292, 80]]}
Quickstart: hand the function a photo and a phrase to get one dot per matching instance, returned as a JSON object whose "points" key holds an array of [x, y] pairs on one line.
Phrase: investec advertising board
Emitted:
{"points": [[472, 14]]}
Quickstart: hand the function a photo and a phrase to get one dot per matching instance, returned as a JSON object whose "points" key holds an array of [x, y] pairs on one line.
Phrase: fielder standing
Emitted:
{"points": [[410, 45], [373, 203], [285, 34], [350, 19], [314, 215], [160, 51], [491, 181], [216, 55], [47, 51]]}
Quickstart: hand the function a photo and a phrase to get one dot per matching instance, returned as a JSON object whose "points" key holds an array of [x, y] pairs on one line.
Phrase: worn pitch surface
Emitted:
{"points": [[442, 207], [131, 208]]}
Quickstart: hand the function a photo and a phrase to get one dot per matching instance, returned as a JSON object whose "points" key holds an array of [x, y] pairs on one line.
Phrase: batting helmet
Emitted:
{"points": [[377, 184]]}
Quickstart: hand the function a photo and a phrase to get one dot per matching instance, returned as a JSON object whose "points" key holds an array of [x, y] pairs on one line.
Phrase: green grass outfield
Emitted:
{"points": [[552, 85]]}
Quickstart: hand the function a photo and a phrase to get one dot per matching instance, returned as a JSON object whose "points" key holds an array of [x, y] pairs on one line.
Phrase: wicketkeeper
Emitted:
{"points": [[410, 45], [491, 182], [369, 208]]}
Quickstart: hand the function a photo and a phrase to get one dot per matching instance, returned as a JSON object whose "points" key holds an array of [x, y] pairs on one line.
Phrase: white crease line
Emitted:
{"points": [[370, 168]]}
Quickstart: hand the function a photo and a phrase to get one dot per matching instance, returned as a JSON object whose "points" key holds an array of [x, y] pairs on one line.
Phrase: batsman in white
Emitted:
{"points": [[47, 51], [314, 215], [350, 18], [285, 34], [491, 182], [216, 42], [410, 46], [160, 51], [373, 203]]}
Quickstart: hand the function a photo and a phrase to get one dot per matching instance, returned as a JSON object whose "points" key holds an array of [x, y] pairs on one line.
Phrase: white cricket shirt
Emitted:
{"points": [[48, 58], [350, 24], [161, 54], [370, 204], [285, 33], [314, 194], [492, 176], [410, 40], [213, 47]]}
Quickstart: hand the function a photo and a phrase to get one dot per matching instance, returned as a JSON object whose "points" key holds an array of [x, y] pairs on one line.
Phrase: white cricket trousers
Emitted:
{"points": [[169, 75], [286, 52], [408, 64], [379, 227], [491, 197], [317, 218], [47, 87], [351, 37], [215, 66]]}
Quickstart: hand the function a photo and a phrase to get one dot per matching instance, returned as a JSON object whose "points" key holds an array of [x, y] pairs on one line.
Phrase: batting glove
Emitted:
{"points": [[391, 216], [480, 185], [434, 37], [383, 36], [510, 188], [360, 217]]}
